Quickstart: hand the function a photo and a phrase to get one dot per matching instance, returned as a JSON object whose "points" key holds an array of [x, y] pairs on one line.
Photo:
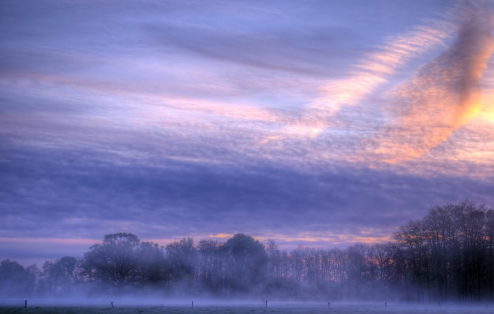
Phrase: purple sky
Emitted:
{"points": [[320, 123]]}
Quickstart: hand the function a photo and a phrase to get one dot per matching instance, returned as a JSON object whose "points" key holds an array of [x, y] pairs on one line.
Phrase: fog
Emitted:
{"points": [[444, 259], [253, 307]]}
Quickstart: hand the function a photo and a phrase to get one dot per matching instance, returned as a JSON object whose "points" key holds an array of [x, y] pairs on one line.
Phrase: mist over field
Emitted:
{"points": [[253, 308]]}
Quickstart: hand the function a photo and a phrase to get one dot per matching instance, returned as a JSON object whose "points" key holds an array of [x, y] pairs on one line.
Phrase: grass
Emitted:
{"points": [[249, 309]]}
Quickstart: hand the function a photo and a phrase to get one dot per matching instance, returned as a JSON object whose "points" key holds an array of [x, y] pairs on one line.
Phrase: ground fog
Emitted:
{"points": [[250, 308]]}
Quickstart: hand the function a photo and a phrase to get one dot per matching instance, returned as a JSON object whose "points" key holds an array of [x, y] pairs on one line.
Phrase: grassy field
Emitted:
{"points": [[250, 309]]}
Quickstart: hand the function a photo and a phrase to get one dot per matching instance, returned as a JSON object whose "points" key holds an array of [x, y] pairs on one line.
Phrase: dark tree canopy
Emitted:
{"points": [[181, 258], [122, 261], [61, 275], [15, 279], [248, 260]]}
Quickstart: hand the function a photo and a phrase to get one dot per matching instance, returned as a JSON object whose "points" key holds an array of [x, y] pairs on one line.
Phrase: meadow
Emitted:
{"points": [[251, 308]]}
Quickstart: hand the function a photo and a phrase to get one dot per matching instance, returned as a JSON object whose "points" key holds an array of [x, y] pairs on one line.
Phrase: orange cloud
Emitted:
{"points": [[445, 94], [221, 235], [487, 112]]}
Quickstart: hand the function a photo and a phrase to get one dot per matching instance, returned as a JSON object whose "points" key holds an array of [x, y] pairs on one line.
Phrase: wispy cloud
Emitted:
{"points": [[367, 75], [102, 130], [51, 192], [445, 94]]}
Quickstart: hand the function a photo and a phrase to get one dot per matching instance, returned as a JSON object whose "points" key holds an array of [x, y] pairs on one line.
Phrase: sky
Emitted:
{"points": [[315, 123]]}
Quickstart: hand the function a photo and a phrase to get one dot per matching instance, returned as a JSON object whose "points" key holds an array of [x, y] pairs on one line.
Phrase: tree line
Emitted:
{"points": [[448, 255]]}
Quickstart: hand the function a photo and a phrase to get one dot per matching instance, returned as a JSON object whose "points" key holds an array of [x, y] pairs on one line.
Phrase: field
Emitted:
{"points": [[252, 308]]}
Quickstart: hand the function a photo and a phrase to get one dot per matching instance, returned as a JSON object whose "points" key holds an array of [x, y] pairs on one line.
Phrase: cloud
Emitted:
{"points": [[49, 192], [147, 119], [366, 76], [445, 94]]}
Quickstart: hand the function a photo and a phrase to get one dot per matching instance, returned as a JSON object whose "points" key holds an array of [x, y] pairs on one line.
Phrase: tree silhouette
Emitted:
{"points": [[447, 255], [122, 261], [247, 261]]}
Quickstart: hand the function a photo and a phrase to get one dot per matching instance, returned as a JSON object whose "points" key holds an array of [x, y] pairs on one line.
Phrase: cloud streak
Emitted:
{"points": [[48, 192], [445, 94], [367, 75]]}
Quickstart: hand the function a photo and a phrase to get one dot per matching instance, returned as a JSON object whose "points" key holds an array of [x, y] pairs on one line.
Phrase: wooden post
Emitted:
{"points": [[266, 304], [25, 303]]}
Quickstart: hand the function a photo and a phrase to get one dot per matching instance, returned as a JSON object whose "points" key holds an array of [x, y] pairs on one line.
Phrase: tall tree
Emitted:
{"points": [[122, 261], [182, 259], [60, 276], [15, 279], [247, 259]]}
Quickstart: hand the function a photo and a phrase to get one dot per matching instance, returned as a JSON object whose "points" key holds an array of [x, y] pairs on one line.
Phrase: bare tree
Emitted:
{"points": [[60, 276]]}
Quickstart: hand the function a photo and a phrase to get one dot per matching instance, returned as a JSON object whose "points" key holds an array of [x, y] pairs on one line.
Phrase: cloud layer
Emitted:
{"points": [[323, 124]]}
